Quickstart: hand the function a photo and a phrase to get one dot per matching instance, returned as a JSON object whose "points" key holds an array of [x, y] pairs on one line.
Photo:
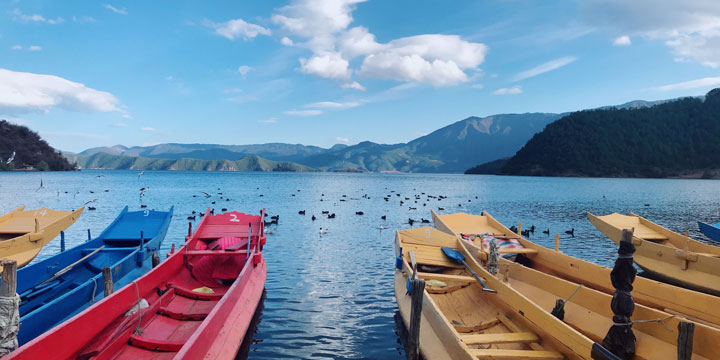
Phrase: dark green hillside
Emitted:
{"points": [[31, 152], [248, 163], [675, 139]]}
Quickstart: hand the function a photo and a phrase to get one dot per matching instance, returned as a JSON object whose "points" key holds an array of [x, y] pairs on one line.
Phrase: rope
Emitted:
{"points": [[94, 289], [658, 320], [573, 294], [138, 331]]}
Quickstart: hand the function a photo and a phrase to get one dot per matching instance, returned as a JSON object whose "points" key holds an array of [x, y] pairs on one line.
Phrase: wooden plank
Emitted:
{"points": [[516, 354], [107, 281], [507, 338], [474, 328], [445, 277]]}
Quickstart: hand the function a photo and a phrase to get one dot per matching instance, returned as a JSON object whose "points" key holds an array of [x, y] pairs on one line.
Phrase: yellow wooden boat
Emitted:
{"points": [[589, 312], [460, 321], [691, 305], [23, 233], [665, 254]]}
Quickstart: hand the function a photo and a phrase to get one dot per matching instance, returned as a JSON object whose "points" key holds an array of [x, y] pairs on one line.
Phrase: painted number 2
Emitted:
{"points": [[234, 218]]}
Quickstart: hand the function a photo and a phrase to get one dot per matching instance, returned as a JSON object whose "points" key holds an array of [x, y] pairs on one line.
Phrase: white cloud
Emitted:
{"points": [[508, 91], [244, 69], [353, 85], [623, 40], [23, 92], [692, 84], [238, 28], [119, 125], [690, 28], [24, 18], [303, 112], [271, 120], [703, 47], [84, 19], [545, 67], [439, 60], [147, 128], [342, 139], [286, 41], [477, 86], [322, 27], [29, 48], [333, 105], [329, 65], [122, 11]]}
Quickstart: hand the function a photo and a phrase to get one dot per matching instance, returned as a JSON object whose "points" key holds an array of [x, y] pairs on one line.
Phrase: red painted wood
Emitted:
{"points": [[179, 323]]}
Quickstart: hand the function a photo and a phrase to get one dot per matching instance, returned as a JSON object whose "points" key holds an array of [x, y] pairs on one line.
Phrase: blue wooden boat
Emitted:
{"points": [[61, 286], [711, 231]]}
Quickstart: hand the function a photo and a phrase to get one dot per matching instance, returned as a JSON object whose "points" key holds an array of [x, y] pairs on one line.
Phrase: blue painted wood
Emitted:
{"points": [[129, 243], [711, 231]]}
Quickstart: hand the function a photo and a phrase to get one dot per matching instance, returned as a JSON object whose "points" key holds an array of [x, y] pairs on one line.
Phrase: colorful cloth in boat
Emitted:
{"points": [[501, 244]]}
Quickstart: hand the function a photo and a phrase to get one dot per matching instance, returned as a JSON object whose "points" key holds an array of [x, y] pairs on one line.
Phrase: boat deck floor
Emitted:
{"points": [[161, 329]]}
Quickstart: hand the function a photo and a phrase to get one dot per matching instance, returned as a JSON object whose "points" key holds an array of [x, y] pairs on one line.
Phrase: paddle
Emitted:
{"points": [[460, 259], [69, 267]]}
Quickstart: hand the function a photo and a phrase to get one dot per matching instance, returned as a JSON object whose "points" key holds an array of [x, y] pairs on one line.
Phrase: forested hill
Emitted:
{"points": [[31, 152], [246, 163], [675, 139]]}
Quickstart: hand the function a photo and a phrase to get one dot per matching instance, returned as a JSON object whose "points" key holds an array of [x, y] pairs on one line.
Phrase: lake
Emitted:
{"points": [[330, 295]]}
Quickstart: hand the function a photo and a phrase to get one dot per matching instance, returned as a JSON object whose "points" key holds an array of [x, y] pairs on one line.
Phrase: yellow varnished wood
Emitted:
{"points": [[520, 337], [589, 310], [666, 254], [23, 233], [680, 301], [471, 310], [516, 354]]}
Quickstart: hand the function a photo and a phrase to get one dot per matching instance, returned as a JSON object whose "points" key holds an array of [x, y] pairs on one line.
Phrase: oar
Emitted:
{"points": [[69, 267], [460, 259]]}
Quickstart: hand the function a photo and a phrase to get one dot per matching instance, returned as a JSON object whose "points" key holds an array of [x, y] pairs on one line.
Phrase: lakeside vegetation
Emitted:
{"points": [[30, 151], [247, 163], [673, 139]]}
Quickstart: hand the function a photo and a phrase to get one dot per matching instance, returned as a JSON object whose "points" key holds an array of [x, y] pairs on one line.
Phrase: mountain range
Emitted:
{"points": [[451, 149]]}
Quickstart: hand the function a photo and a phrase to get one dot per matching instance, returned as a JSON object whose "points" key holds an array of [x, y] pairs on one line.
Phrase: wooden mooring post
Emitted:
{"points": [[8, 289], [417, 289], [155, 259], [107, 280], [686, 330], [416, 295]]}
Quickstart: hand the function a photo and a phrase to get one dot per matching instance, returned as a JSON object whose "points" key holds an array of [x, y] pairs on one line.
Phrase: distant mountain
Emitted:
{"points": [[247, 163], [274, 151], [451, 149], [28, 151], [673, 139]]}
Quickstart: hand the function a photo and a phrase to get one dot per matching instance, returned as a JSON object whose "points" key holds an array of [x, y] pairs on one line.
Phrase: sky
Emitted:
{"points": [[320, 72]]}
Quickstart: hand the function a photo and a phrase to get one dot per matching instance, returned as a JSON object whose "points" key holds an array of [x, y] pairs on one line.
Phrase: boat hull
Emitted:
{"points": [[711, 231], [196, 304], [43, 307], [667, 255], [21, 240], [693, 305]]}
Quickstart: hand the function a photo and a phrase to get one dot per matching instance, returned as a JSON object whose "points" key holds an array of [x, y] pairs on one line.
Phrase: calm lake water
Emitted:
{"points": [[330, 295]]}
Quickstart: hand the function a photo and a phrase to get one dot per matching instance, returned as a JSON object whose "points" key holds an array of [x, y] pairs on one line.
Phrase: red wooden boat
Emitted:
{"points": [[196, 304]]}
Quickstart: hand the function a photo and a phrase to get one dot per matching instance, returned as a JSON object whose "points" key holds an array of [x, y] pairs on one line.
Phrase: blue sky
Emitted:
{"points": [[88, 73]]}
